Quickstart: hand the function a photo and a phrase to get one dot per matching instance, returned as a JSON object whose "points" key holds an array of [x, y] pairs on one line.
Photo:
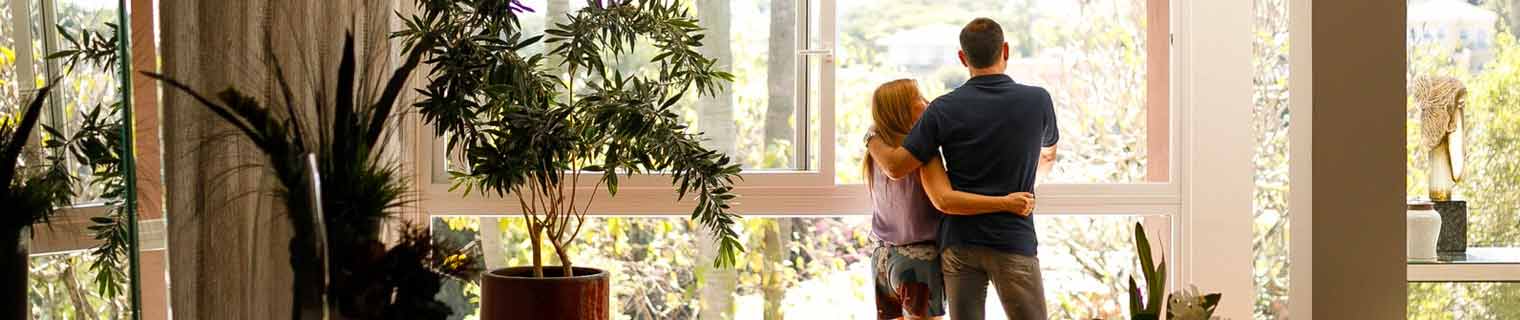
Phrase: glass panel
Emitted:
{"points": [[87, 86], [1464, 300], [1476, 45], [821, 265], [61, 286], [1269, 126], [86, 268], [1090, 55], [754, 120], [10, 97]]}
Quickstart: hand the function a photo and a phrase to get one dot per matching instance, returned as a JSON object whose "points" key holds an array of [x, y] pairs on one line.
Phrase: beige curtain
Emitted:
{"points": [[228, 237]]}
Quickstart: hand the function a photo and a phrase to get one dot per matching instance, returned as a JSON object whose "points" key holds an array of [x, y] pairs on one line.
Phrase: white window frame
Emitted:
{"points": [[1207, 193]]}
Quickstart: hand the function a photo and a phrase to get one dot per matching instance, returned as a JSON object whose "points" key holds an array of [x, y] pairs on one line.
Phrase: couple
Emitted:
{"points": [[946, 228]]}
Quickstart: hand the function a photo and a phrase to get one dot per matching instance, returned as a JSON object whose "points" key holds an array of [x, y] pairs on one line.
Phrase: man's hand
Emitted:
{"points": [[1020, 203]]}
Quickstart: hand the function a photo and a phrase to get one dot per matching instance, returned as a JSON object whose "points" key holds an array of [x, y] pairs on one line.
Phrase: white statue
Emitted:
{"points": [[1441, 101]]}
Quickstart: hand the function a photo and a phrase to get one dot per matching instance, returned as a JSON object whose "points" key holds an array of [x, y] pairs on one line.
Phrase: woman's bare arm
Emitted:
{"points": [[937, 185]]}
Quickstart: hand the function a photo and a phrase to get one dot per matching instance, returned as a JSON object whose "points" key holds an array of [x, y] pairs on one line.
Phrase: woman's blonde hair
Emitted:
{"points": [[892, 114]]}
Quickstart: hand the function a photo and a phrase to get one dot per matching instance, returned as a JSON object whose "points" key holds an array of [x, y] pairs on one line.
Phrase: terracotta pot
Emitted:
{"points": [[513, 293]]}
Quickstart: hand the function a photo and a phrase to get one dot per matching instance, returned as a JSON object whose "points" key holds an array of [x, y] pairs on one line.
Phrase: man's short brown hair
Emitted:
{"points": [[982, 41]]}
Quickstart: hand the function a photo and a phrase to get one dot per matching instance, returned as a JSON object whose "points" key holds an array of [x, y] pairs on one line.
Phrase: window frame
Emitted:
{"points": [[813, 190], [1169, 197]]}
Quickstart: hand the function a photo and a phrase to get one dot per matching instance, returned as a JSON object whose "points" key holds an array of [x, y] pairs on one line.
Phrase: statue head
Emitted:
{"points": [[1441, 101]]}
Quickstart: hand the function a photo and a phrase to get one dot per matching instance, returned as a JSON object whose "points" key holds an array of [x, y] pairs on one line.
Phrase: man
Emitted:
{"points": [[996, 137]]}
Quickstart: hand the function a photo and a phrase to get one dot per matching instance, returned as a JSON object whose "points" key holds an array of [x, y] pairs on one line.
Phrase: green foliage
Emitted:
{"points": [[358, 192], [91, 46], [528, 122], [1148, 307], [31, 191], [98, 144]]}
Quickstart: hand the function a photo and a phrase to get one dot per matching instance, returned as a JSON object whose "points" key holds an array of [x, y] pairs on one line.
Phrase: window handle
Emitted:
{"points": [[815, 52]]}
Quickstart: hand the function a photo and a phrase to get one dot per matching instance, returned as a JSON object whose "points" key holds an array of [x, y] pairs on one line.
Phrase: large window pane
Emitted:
{"points": [[87, 86], [820, 265], [1090, 55], [1464, 300], [62, 286], [754, 119], [1476, 45]]}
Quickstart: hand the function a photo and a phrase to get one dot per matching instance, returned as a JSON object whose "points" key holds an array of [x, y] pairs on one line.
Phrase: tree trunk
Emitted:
{"points": [[718, 285], [13, 273], [777, 241], [537, 243], [716, 113], [716, 118], [82, 305], [1514, 16], [781, 77]]}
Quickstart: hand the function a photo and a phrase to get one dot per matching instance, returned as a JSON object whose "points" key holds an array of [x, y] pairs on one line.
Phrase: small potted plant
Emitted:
{"points": [[1183, 305], [538, 126], [341, 267]]}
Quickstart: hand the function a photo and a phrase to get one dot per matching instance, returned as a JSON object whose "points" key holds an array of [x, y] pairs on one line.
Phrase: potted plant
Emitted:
{"points": [[32, 188], [342, 268], [540, 126], [1183, 305]]}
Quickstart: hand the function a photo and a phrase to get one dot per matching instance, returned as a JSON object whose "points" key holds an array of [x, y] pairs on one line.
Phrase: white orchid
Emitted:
{"points": [[1188, 304]]}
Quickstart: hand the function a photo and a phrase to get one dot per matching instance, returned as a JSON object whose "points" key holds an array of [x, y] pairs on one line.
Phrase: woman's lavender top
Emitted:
{"points": [[903, 213]]}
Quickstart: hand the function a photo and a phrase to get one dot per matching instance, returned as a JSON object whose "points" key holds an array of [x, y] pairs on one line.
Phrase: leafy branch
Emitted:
{"points": [[98, 144], [523, 128]]}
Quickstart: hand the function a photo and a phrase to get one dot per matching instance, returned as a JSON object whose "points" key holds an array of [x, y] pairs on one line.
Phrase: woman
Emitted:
{"points": [[906, 219]]}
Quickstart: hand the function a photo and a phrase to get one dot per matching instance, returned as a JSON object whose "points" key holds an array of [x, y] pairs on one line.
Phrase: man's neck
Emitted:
{"points": [[987, 71]]}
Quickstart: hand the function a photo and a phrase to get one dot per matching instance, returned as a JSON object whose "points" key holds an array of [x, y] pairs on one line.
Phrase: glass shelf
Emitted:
{"points": [[1479, 264]]}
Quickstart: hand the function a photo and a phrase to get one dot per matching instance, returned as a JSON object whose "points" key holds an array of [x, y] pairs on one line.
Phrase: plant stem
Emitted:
{"points": [[564, 260], [537, 244]]}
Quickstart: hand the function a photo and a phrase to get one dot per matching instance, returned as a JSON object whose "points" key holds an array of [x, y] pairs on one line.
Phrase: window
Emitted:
{"points": [[1090, 55], [1269, 123], [1485, 62], [755, 119], [813, 265], [1106, 62]]}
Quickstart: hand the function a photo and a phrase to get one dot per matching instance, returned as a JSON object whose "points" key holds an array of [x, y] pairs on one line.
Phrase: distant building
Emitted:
{"points": [[924, 49], [1454, 24]]}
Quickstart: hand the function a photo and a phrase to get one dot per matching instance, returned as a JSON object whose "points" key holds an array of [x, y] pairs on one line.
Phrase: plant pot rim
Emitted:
{"points": [[525, 273]]}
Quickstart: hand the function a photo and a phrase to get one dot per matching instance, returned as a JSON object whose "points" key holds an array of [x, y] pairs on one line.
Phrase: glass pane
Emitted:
{"points": [[820, 264], [1269, 126], [1090, 55], [87, 86], [1464, 300], [754, 119], [10, 97], [1475, 45], [62, 286]]}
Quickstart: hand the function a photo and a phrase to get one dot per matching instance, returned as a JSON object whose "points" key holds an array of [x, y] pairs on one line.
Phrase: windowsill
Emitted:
{"points": [[1479, 264]]}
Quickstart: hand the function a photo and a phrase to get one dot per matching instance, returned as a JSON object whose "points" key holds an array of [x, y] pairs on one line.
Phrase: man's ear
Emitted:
{"points": [[962, 56], [1005, 51]]}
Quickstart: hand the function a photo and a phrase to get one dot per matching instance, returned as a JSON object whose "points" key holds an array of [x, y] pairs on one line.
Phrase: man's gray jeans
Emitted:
{"points": [[968, 269]]}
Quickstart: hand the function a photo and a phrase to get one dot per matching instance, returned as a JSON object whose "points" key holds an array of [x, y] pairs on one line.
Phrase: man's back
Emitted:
{"points": [[990, 131]]}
